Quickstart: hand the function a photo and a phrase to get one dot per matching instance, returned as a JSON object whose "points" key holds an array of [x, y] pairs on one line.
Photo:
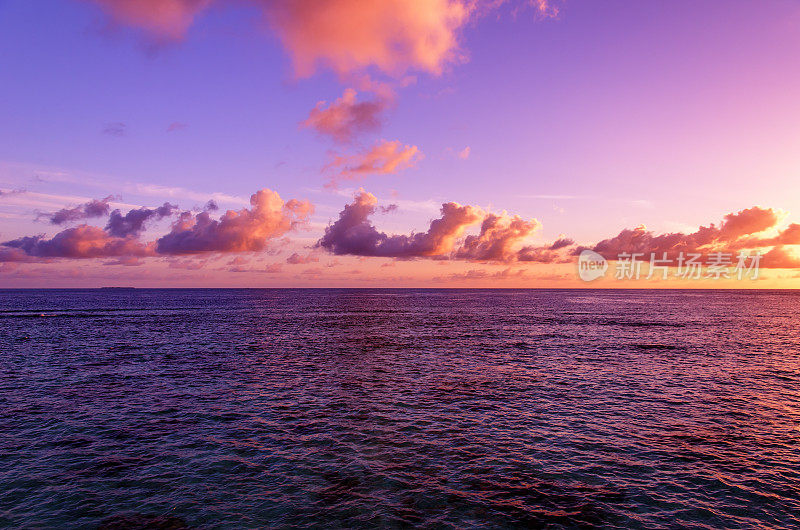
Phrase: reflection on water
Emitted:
{"points": [[372, 408]]}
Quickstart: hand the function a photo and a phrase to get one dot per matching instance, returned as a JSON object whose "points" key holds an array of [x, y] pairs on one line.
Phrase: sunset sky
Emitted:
{"points": [[431, 143]]}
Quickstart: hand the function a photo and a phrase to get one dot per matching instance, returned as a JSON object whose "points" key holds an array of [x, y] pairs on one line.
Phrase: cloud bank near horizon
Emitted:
{"points": [[244, 230], [465, 233]]}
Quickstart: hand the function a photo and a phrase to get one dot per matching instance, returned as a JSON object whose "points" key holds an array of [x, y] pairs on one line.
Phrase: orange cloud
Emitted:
{"points": [[735, 229], [499, 233], [383, 158], [346, 117], [236, 231], [351, 35], [780, 258], [743, 230], [347, 36]]}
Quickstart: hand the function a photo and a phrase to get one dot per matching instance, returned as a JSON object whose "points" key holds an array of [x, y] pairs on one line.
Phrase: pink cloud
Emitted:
{"points": [[497, 237], [244, 230], [346, 117], [347, 36], [176, 126], [743, 230], [80, 242], [383, 158], [187, 264], [297, 259], [780, 258], [735, 229], [272, 268], [557, 252], [166, 19], [482, 274], [236, 231]]}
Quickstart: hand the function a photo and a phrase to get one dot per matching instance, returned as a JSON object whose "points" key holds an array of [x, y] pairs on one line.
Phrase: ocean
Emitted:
{"points": [[394, 408]]}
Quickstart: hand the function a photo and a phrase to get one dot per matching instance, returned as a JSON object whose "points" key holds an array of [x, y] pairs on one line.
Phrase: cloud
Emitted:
{"points": [[498, 235], [127, 261], [272, 268], [14, 255], [557, 252], [80, 242], [747, 229], [237, 230], [297, 259], [165, 19], [156, 190], [780, 258], [383, 158], [176, 126], [733, 228], [88, 210], [354, 234], [240, 265], [187, 264], [482, 274], [115, 129], [393, 36], [500, 238], [132, 223], [464, 153], [346, 117], [545, 8], [347, 36], [561, 242]]}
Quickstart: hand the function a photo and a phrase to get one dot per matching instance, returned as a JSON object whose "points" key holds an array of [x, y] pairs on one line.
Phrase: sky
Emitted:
{"points": [[427, 143]]}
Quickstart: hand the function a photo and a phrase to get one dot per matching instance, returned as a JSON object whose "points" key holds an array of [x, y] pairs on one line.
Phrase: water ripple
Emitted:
{"points": [[382, 408]]}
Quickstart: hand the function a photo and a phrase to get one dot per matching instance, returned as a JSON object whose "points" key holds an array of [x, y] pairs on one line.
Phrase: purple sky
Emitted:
{"points": [[589, 117]]}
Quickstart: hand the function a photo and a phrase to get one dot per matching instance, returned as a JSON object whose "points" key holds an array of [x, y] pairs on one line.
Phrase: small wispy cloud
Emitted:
{"points": [[116, 128], [177, 192], [176, 126], [551, 197]]}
